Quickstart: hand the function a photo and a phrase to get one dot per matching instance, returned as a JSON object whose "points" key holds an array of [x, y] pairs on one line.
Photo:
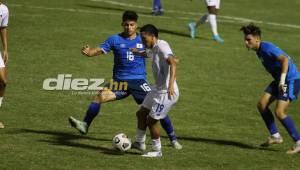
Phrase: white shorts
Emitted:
{"points": [[1, 61], [215, 3], [159, 104]]}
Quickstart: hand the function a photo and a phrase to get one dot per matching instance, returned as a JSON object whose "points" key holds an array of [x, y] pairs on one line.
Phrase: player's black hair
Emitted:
{"points": [[251, 29], [130, 16], [150, 29]]}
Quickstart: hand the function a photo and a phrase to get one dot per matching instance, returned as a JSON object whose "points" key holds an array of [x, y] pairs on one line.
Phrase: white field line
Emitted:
{"points": [[227, 18], [243, 20]]}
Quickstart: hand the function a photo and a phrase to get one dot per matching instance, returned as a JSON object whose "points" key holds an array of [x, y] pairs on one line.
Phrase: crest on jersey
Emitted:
{"points": [[139, 45]]}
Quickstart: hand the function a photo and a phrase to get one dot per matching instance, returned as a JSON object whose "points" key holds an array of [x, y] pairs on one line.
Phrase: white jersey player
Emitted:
{"points": [[213, 7], [165, 93], [4, 14]]}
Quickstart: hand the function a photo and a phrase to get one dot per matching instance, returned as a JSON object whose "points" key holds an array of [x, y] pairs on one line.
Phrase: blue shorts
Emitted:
{"points": [[293, 88], [138, 88]]}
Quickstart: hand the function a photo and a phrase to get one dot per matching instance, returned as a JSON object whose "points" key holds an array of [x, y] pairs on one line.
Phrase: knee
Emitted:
{"points": [[212, 10], [98, 99], [261, 106], [280, 113]]}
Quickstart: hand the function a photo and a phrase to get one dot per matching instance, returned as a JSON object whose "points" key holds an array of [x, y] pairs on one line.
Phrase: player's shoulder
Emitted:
{"points": [[162, 44], [114, 36], [266, 46]]}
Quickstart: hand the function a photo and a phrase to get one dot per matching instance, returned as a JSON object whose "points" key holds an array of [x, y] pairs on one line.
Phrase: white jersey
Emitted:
{"points": [[3, 23], [160, 52], [4, 15], [158, 101]]}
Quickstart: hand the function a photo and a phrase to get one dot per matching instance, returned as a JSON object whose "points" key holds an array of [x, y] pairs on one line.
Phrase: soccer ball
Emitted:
{"points": [[121, 142]]}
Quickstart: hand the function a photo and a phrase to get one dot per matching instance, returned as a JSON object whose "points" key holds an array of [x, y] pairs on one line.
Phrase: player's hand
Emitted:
{"points": [[134, 50], [282, 88], [171, 92], [85, 50], [5, 56]]}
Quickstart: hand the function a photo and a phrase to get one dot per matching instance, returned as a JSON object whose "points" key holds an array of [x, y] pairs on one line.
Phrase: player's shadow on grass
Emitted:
{"points": [[69, 139], [226, 143]]}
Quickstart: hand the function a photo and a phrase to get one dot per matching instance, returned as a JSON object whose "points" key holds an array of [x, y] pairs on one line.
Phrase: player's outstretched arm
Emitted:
{"points": [[91, 52], [172, 61], [135, 51]]}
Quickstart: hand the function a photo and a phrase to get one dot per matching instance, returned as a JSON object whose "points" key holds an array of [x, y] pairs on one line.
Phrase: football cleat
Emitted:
{"points": [[218, 39], [1, 125], [175, 144], [294, 149], [153, 154], [271, 141], [139, 146], [157, 13], [82, 127], [192, 28]]}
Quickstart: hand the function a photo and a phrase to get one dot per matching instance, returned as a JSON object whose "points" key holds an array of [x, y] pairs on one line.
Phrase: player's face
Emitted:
{"points": [[252, 42], [148, 39], [129, 27]]}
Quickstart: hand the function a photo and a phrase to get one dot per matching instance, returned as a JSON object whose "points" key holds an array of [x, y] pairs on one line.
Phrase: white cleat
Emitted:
{"points": [[1, 125], [295, 149], [272, 141], [139, 146], [153, 154], [82, 127], [175, 144]]}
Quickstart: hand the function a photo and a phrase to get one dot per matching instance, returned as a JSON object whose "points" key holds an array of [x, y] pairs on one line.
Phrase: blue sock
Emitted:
{"points": [[289, 125], [269, 121], [91, 113], [168, 127], [156, 5]]}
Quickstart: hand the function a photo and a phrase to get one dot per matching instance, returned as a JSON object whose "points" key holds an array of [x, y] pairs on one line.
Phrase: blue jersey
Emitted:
{"points": [[268, 53], [126, 65]]}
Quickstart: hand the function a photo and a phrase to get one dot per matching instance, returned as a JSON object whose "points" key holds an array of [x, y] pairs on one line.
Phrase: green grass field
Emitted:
{"points": [[215, 119]]}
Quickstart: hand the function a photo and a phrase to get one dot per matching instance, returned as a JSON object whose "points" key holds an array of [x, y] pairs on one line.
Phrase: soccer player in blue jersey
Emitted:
{"points": [[128, 68], [157, 8], [283, 89]]}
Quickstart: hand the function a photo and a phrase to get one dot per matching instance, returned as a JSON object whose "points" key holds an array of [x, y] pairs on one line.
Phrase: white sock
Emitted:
{"points": [[1, 98], [298, 142], [140, 135], [204, 19], [156, 145], [276, 135], [212, 19]]}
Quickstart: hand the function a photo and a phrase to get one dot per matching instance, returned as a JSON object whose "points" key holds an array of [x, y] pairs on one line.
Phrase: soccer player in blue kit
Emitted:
{"points": [[157, 8], [127, 68], [283, 89]]}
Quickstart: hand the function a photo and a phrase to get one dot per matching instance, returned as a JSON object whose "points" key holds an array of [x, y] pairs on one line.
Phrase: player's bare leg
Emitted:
{"points": [[3, 83], [104, 96], [287, 122], [263, 107], [212, 19], [155, 136], [141, 115]]}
